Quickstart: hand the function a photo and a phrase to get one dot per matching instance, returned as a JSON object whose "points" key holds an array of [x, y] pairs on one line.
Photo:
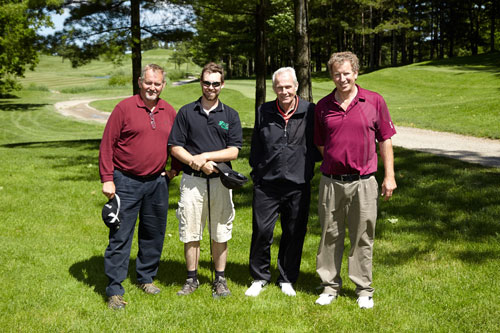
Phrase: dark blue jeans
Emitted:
{"points": [[147, 199]]}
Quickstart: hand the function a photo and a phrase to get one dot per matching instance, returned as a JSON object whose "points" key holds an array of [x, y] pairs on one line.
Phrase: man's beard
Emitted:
{"points": [[208, 96]]}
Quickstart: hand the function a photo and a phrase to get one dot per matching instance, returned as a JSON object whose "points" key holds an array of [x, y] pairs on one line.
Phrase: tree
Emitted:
{"points": [[303, 54], [109, 28], [19, 42], [233, 32]]}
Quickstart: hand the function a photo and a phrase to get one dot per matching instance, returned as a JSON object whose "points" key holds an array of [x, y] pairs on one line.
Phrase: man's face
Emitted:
{"points": [[344, 77], [211, 85], [285, 88], [151, 86]]}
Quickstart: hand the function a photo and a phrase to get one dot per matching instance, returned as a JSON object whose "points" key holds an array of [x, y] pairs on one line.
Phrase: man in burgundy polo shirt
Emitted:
{"points": [[132, 159], [348, 123]]}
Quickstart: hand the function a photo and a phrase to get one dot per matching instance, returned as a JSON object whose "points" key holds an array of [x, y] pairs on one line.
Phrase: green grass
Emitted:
{"points": [[437, 249], [459, 95]]}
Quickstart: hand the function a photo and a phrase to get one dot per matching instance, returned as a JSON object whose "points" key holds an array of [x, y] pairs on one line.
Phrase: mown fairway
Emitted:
{"points": [[437, 250]]}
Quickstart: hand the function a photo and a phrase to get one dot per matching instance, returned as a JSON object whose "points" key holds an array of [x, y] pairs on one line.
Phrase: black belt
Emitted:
{"points": [[348, 178], [201, 174], [140, 178]]}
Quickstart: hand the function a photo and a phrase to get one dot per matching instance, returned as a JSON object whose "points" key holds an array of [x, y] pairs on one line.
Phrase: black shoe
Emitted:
{"points": [[219, 288], [189, 287], [116, 302]]}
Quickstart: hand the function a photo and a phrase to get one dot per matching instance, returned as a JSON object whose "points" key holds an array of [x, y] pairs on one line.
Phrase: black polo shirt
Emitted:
{"points": [[198, 132]]}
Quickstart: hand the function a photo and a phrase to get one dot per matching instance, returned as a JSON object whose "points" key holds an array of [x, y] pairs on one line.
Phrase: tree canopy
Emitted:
{"points": [[19, 42], [110, 28]]}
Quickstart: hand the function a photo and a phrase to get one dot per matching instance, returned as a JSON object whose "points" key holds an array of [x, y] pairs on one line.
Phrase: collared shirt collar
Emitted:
{"points": [[360, 96], [140, 104], [198, 106]]}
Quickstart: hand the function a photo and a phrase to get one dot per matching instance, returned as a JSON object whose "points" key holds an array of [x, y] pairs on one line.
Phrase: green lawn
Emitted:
{"points": [[437, 250]]}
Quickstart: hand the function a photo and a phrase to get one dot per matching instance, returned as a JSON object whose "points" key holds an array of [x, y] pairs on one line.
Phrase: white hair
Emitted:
{"points": [[284, 70]]}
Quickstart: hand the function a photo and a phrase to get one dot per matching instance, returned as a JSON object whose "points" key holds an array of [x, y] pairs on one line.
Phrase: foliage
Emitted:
{"points": [[19, 42], [102, 28]]}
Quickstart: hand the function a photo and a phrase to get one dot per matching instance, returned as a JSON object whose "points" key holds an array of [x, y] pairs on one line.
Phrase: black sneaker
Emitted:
{"points": [[116, 302], [219, 288], [189, 287]]}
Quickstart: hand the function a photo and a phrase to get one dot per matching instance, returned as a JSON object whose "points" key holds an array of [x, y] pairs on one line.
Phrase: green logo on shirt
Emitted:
{"points": [[224, 125]]}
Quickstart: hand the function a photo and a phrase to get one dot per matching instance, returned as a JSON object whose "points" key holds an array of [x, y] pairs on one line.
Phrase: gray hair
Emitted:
{"points": [[154, 68], [285, 70]]}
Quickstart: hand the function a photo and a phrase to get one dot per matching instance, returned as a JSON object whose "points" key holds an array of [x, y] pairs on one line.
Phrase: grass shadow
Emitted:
{"points": [[21, 107], [488, 62]]}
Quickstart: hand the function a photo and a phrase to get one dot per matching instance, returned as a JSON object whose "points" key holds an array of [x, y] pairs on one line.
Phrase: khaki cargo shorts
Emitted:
{"points": [[192, 211]]}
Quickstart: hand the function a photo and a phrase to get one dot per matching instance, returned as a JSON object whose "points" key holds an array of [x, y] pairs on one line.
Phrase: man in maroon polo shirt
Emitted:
{"points": [[348, 123], [132, 159]]}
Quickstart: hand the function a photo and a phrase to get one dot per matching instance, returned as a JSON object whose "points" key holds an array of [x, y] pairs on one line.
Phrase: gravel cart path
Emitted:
{"points": [[466, 148]]}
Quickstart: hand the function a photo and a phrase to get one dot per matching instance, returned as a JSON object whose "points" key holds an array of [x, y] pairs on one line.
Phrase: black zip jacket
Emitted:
{"points": [[283, 152]]}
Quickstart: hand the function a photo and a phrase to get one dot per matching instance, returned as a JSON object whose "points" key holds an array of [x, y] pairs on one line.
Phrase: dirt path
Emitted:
{"points": [[470, 149]]}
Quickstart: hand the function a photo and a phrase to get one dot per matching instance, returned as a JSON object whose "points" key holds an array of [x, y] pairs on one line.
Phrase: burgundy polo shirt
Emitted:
{"points": [[131, 144], [349, 137]]}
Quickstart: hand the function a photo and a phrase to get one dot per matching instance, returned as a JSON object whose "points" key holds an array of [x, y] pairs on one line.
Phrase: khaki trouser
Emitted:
{"points": [[354, 203]]}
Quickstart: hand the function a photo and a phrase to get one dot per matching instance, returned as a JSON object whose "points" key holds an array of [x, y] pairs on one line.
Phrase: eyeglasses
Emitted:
{"points": [[213, 84], [152, 117]]}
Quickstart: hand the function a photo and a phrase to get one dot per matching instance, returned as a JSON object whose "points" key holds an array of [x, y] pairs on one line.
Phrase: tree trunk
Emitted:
{"points": [[371, 61], [493, 12], [260, 54], [135, 26], [302, 54], [394, 50]]}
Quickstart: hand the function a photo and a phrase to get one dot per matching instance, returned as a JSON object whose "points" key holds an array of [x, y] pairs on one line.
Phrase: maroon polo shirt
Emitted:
{"points": [[349, 137], [131, 144]]}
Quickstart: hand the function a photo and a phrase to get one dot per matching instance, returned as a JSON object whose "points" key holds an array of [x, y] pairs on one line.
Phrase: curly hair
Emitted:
{"points": [[340, 58]]}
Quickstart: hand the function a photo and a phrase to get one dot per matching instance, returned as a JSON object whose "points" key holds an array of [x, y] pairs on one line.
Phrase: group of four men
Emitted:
{"points": [[289, 136]]}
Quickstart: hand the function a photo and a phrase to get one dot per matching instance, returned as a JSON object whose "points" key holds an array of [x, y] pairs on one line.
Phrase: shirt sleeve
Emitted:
{"points": [[319, 135], [255, 146], [178, 133], [108, 143], [385, 127], [235, 137]]}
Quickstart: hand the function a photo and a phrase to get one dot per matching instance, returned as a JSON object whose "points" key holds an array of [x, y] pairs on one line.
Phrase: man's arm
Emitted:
{"points": [[198, 161], [109, 189], [321, 149], [387, 155]]}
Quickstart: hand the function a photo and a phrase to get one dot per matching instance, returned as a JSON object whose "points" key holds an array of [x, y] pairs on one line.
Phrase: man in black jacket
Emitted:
{"points": [[282, 158]]}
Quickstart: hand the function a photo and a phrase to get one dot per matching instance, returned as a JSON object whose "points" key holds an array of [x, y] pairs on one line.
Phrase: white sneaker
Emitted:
{"points": [[325, 299], [365, 302], [256, 287], [287, 289]]}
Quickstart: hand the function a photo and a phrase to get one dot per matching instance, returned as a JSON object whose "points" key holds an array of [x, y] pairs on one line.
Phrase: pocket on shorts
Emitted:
{"points": [[181, 216]]}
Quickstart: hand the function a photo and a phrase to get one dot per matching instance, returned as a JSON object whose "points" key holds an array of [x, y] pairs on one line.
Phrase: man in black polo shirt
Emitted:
{"points": [[204, 132]]}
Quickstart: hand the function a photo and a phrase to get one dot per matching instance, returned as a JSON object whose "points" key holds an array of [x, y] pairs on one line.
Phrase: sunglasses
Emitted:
{"points": [[213, 84]]}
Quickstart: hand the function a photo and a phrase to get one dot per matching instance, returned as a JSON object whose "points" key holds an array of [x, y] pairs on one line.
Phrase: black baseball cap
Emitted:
{"points": [[110, 213], [230, 178]]}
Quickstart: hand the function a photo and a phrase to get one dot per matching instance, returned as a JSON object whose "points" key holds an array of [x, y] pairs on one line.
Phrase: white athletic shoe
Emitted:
{"points": [[256, 287], [325, 299], [287, 289], [365, 302]]}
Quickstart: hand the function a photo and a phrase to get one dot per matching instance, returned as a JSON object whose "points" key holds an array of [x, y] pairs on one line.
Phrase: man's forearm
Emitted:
{"points": [[387, 155], [181, 154], [223, 155]]}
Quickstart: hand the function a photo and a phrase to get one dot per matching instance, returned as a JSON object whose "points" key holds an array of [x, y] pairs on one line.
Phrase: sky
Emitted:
{"points": [[58, 24]]}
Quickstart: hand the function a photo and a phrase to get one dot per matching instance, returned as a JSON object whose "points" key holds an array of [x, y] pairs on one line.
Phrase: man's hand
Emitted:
{"points": [[109, 189], [170, 173], [388, 186], [198, 162], [209, 168]]}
